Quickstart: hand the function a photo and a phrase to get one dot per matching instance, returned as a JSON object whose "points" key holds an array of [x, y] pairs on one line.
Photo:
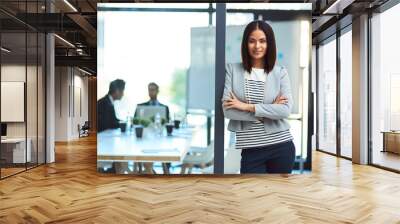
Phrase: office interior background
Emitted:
{"points": [[49, 90]]}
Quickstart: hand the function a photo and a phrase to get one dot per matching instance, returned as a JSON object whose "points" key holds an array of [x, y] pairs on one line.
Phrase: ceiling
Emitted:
{"points": [[76, 22]]}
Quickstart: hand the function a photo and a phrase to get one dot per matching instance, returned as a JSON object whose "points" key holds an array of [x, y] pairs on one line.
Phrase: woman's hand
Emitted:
{"points": [[280, 100], [235, 103]]}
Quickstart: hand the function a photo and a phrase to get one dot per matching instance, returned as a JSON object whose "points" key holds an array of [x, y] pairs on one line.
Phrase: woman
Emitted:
{"points": [[257, 99]]}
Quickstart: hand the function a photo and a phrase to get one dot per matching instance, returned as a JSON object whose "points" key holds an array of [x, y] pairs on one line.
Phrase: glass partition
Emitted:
{"points": [[22, 91], [166, 115], [32, 97], [327, 96], [164, 62], [15, 149], [385, 89], [346, 94], [41, 107], [293, 51]]}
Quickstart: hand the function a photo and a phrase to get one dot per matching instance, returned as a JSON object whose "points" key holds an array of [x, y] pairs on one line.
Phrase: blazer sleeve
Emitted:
{"points": [[233, 114], [100, 120], [114, 120], [278, 111]]}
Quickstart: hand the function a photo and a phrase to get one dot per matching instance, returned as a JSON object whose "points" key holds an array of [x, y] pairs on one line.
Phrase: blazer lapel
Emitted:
{"points": [[241, 90], [108, 100]]}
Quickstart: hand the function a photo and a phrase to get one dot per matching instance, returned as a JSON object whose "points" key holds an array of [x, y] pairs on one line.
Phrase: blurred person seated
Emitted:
{"points": [[153, 93], [153, 89], [106, 118]]}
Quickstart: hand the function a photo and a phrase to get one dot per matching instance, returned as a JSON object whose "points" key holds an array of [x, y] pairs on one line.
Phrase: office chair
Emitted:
{"points": [[84, 130], [198, 157]]}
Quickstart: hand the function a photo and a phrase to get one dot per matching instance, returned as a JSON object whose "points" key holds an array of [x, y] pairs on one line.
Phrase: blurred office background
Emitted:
{"points": [[58, 62]]}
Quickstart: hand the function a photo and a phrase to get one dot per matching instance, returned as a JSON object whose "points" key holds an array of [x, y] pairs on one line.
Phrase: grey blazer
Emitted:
{"points": [[273, 115]]}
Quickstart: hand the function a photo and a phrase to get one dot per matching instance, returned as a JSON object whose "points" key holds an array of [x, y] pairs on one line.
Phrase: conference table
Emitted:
{"points": [[117, 146]]}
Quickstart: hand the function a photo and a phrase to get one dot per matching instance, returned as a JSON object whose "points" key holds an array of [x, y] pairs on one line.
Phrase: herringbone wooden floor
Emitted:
{"points": [[71, 191]]}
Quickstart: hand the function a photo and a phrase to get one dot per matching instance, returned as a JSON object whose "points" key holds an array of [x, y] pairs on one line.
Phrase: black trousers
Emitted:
{"points": [[277, 158]]}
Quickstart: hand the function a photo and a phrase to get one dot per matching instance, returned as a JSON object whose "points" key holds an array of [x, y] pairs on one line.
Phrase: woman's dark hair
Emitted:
{"points": [[270, 55]]}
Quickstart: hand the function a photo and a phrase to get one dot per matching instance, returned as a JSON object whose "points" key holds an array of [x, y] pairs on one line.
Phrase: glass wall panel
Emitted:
{"points": [[385, 84], [345, 94], [41, 79], [181, 63], [22, 90], [32, 86], [32, 96], [15, 149], [235, 24], [327, 96], [292, 40]]}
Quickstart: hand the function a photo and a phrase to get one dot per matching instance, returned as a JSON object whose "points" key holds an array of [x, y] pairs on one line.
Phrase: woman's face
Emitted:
{"points": [[257, 44]]}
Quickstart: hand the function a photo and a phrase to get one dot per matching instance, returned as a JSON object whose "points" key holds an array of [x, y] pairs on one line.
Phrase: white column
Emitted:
{"points": [[360, 90], [50, 99], [63, 103], [50, 92]]}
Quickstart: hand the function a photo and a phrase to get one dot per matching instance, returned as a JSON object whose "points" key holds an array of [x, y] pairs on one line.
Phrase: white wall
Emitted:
{"points": [[61, 103], [12, 73], [71, 102], [33, 127], [80, 108]]}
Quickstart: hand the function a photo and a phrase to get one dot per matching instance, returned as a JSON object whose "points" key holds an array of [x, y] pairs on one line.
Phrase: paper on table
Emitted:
{"points": [[159, 150]]}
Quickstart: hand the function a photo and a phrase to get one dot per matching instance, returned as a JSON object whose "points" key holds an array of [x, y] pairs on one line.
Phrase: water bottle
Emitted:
{"points": [[157, 121]]}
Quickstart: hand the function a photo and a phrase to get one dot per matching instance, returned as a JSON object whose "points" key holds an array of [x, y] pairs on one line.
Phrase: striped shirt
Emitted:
{"points": [[256, 135]]}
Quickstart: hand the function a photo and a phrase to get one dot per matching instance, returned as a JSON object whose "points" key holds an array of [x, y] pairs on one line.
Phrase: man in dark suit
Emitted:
{"points": [[106, 118], [153, 92]]}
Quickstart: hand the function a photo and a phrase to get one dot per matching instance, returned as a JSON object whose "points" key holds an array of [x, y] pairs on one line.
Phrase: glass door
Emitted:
{"points": [[326, 138]]}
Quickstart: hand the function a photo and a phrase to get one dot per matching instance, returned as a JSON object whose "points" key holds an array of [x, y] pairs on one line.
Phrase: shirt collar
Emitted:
{"points": [[154, 102], [111, 99]]}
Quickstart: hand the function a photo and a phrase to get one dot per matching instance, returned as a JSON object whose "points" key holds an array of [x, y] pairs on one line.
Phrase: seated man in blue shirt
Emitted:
{"points": [[153, 92]]}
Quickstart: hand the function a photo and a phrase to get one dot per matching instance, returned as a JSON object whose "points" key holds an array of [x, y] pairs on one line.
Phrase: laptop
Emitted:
{"points": [[149, 111]]}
